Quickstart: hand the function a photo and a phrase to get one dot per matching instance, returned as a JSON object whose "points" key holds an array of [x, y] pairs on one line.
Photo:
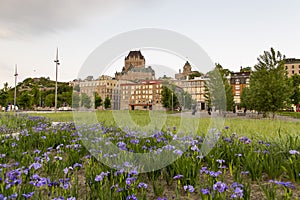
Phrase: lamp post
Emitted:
{"points": [[56, 64], [183, 102], [172, 101], [15, 94]]}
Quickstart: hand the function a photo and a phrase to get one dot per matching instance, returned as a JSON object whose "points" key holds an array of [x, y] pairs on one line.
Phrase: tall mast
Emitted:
{"points": [[15, 95], [56, 65]]}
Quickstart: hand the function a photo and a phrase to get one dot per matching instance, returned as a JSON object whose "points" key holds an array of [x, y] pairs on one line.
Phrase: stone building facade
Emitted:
{"points": [[186, 73], [292, 66], [104, 86], [134, 68], [195, 87]]}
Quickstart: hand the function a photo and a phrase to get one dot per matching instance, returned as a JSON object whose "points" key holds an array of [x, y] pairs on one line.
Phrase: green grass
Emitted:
{"points": [[291, 114], [266, 160], [256, 128]]}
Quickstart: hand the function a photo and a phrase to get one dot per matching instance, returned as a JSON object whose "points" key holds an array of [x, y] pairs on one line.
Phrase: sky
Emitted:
{"points": [[233, 33]]}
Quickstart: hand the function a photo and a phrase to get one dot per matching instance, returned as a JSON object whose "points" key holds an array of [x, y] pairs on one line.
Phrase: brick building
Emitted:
{"points": [[145, 95], [238, 81], [292, 66]]}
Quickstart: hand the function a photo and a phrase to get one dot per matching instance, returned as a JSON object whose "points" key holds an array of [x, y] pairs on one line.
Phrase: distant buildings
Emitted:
{"points": [[292, 66], [195, 87], [135, 87], [134, 69], [104, 86], [186, 73], [145, 95], [238, 81]]}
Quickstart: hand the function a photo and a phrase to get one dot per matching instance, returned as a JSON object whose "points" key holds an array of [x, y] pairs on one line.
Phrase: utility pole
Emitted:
{"points": [[56, 63], [172, 101], [15, 95], [183, 102]]}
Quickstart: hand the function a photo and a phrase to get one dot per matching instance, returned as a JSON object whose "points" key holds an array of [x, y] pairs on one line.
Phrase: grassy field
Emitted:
{"points": [[250, 159], [256, 128], [291, 114]]}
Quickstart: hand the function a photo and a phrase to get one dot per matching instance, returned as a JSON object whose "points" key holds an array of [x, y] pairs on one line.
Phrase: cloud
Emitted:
{"points": [[34, 17]]}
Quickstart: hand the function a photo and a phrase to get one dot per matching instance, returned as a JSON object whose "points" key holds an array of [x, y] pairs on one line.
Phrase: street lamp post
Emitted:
{"points": [[56, 63], [183, 102], [172, 101], [15, 94]]}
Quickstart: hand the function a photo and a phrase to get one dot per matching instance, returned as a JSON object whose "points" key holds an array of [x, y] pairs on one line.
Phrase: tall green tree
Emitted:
{"points": [[98, 100], [186, 100], [246, 99], [107, 102], [295, 83], [85, 101], [50, 100], [75, 100], [270, 89], [4, 95], [167, 92], [218, 91], [25, 100]]}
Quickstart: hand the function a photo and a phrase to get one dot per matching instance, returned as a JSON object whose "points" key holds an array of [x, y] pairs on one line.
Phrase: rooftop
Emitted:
{"points": [[291, 60], [137, 54]]}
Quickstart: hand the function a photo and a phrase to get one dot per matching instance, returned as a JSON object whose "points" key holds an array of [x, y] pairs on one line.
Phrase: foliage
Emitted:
{"points": [[56, 164], [39, 90], [218, 92], [76, 88], [270, 89], [85, 101], [295, 83], [246, 100], [246, 69], [50, 100], [98, 100], [4, 95], [107, 102], [170, 96], [25, 100], [195, 74], [75, 100]]}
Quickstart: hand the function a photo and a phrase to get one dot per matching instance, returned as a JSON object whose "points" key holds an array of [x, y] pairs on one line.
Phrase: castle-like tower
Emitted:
{"points": [[134, 68], [134, 59]]}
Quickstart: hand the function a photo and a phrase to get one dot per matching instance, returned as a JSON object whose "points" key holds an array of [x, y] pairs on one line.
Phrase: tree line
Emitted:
{"points": [[270, 89], [40, 92]]}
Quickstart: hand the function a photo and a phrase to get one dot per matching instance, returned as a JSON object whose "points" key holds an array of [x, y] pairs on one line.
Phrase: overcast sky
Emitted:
{"points": [[233, 33]]}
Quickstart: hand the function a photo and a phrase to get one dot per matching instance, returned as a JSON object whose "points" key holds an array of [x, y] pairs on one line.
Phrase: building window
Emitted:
{"points": [[247, 81], [237, 87], [286, 67], [292, 66], [293, 72], [237, 93]]}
